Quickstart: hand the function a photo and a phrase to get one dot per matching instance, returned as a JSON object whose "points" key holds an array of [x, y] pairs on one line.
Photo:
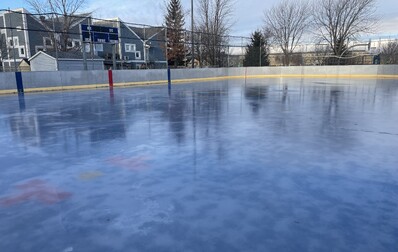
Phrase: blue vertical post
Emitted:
{"points": [[21, 100], [18, 79], [169, 77]]}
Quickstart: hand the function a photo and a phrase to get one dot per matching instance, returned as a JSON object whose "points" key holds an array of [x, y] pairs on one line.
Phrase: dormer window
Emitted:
{"points": [[130, 47]]}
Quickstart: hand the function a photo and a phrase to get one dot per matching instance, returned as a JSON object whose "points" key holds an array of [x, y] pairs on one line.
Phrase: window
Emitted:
{"points": [[88, 47], [99, 47], [76, 43], [129, 47], [69, 44], [13, 42], [47, 42], [22, 52], [137, 55]]}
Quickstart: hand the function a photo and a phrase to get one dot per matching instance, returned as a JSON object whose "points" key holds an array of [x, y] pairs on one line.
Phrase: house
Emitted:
{"points": [[64, 61], [129, 50], [153, 40], [24, 65], [70, 41], [31, 34], [138, 47], [15, 42]]}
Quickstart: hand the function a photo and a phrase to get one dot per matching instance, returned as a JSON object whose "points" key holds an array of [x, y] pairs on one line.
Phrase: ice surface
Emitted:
{"points": [[267, 165]]}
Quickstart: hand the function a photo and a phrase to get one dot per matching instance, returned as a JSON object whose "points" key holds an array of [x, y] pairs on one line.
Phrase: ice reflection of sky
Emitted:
{"points": [[270, 165]]}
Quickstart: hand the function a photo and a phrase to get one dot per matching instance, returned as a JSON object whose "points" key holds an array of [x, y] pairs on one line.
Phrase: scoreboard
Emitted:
{"points": [[99, 34]]}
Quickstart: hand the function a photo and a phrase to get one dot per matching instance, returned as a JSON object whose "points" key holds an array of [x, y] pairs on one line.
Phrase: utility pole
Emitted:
{"points": [[84, 47], [144, 45], [260, 54], [167, 64], [192, 39], [228, 56], [12, 39], [84, 56], [114, 57], [55, 44], [165, 45]]}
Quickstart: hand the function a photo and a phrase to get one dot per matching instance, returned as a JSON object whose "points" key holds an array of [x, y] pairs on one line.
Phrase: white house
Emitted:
{"points": [[67, 61]]}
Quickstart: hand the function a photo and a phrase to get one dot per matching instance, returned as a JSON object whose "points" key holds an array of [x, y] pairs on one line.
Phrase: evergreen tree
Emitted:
{"points": [[252, 57], [175, 22]]}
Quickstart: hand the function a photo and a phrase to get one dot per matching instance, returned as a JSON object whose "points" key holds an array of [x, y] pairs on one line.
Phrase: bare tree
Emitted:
{"points": [[389, 53], [338, 21], [212, 28], [59, 15], [287, 22]]}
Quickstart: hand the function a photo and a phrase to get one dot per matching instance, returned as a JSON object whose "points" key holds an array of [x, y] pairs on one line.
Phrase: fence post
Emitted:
{"points": [[110, 78], [18, 79], [169, 78]]}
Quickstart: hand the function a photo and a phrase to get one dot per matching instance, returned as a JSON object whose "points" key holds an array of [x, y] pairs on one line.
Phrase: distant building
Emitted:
{"points": [[47, 61], [129, 50], [154, 44], [24, 65], [138, 47], [31, 34]]}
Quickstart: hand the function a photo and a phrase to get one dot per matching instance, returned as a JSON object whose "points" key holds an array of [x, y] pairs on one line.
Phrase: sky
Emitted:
{"points": [[248, 14]]}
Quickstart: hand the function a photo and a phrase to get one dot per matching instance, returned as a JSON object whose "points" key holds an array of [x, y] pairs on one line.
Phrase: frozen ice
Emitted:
{"points": [[263, 165]]}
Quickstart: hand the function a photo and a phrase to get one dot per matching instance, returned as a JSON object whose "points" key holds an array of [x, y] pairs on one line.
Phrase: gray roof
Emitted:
{"points": [[71, 55], [59, 22], [108, 23], [146, 33]]}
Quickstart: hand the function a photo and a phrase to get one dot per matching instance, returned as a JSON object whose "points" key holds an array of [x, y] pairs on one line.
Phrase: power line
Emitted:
{"points": [[121, 37]]}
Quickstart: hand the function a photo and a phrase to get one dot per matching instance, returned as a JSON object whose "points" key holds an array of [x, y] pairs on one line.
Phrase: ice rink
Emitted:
{"points": [[267, 165]]}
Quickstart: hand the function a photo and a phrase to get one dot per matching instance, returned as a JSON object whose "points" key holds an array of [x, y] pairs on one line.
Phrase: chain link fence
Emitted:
{"points": [[23, 35]]}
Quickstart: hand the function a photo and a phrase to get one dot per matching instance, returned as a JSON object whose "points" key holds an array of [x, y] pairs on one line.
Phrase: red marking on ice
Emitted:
{"points": [[131, 164], [35, 190]]}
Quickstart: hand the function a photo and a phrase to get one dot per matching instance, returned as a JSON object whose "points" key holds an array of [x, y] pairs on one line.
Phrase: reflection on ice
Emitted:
{"points": [[131, 164], [34, 190], [90, 175], [226, 166]]}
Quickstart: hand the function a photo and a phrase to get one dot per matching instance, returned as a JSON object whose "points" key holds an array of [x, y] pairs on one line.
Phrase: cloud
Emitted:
{"points": [[248, 14], [388, 26], [142, 12]]}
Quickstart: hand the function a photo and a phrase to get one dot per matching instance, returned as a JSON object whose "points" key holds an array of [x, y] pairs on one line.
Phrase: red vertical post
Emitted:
{"points": [[110, 77]]}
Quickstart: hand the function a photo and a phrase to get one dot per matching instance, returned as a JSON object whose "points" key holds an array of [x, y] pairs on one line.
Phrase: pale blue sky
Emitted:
{"points": [[248, 13]]}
